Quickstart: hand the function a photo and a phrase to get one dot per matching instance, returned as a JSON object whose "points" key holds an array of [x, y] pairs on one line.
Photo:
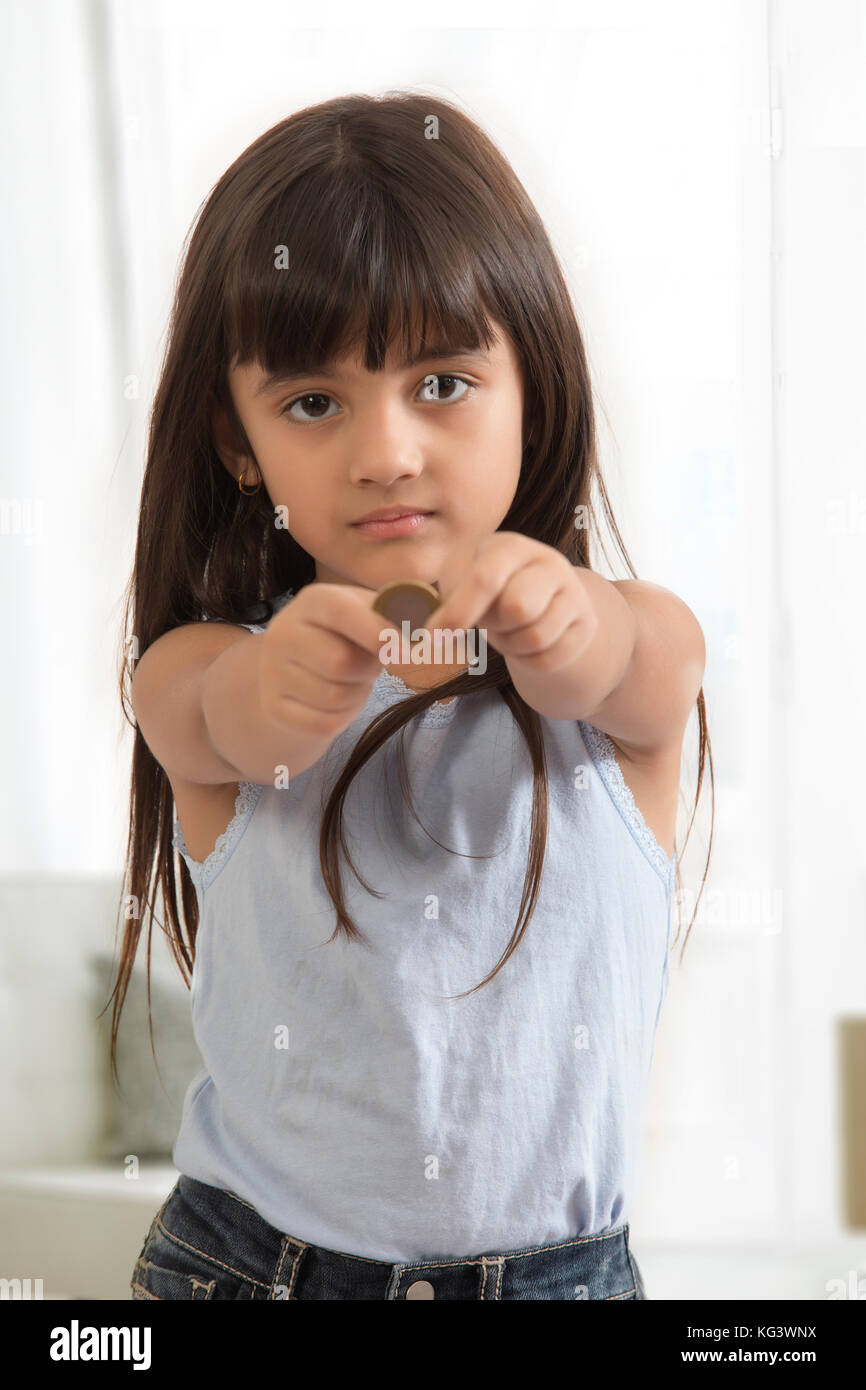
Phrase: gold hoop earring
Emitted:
{"points": [[248, 491]]}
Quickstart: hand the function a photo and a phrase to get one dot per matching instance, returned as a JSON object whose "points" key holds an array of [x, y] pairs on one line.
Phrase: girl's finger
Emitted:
{"points": [[474, 595], [534, 639], [524, 600]]}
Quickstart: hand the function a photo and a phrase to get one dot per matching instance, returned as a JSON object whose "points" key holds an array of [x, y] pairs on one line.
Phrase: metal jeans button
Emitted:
{"points": [[422, 1288]]}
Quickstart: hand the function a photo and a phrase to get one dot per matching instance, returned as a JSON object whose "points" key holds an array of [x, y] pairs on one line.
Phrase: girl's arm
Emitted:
{"points": [[196, 698], [216, 704], [638, 678]]}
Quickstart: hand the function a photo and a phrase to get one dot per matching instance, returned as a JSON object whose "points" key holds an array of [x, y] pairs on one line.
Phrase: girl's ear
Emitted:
{"points": [[233, 451]]}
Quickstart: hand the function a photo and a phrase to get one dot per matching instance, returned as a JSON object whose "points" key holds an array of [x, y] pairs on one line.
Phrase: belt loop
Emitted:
{"points": [[286, 1272], [491, 1281]]}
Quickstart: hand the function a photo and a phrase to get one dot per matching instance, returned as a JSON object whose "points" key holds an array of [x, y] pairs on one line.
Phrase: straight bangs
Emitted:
{"points": [[359, 273]]}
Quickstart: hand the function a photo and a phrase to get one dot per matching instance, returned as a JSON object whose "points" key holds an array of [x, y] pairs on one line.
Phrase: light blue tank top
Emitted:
{"points": [[342, 1096]]}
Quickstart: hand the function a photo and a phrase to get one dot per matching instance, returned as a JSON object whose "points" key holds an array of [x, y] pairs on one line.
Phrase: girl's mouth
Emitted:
{"points": [[397, 526]]}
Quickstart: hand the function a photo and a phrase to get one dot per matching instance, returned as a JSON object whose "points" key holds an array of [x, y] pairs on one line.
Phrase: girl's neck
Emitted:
{"points": [[424, 677]]}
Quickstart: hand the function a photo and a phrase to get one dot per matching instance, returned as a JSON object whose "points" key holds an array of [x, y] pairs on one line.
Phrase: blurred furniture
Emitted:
{"points": [[84, 1163]]}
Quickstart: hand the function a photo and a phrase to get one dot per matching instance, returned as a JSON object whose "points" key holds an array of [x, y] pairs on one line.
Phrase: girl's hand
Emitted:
{"points": [[530, 599], [319, 657]]}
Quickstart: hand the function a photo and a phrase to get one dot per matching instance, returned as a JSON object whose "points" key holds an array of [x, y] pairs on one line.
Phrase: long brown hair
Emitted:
{"points": [[352, 222]]}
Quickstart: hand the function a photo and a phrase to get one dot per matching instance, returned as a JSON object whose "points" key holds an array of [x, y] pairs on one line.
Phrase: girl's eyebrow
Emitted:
{"points": [[279, 379]]}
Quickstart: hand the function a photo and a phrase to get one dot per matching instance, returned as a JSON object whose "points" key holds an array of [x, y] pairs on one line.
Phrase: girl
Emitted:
{"points": [[411, 1103]]}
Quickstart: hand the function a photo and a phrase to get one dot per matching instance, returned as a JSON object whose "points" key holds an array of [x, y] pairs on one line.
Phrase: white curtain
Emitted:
{"points": [[700, 167]]}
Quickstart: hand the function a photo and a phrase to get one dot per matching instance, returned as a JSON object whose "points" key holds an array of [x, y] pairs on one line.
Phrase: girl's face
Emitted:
{"points": [[443, 436]]}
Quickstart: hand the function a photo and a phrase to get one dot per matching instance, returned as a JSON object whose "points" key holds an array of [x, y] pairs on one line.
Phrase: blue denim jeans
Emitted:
{"points": [[205, 1242]]}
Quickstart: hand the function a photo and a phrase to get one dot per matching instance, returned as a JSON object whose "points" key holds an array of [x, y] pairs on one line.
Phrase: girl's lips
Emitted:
{"points": [[397, 526]]}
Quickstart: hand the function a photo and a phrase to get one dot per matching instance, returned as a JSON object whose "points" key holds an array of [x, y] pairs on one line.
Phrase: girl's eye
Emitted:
{"points": [[309, 396], [431, 383]]}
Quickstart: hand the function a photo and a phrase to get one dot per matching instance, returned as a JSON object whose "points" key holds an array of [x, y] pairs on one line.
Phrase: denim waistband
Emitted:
{"points": [[205, 1242]]}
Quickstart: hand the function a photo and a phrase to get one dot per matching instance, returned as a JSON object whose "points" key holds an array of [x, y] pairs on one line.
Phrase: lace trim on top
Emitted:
{"points": [[391, 688], [245, 801], [602, 753]]}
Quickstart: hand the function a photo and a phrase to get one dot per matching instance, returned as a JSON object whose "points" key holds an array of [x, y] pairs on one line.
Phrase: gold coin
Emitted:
{"points": [[407, 600]]}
